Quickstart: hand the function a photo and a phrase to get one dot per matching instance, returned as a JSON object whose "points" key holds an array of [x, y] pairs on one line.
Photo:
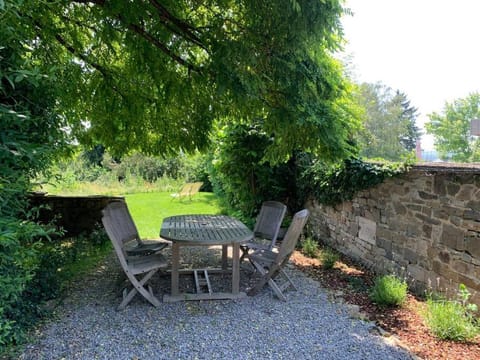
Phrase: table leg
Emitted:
{"points": [[236, 268], [175, 265], [224, 257]]}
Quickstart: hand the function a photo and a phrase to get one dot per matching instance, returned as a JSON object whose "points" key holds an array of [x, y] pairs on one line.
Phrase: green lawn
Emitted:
{"points": [[149, 209]]}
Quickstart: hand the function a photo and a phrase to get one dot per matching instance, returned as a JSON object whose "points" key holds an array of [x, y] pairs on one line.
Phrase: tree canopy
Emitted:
{"points": [[154, 75], [389, 122], [451, 129]]}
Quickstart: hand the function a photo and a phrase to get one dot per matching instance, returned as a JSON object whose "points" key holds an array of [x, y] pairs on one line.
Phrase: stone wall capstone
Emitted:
{"points": [[424, 225]]}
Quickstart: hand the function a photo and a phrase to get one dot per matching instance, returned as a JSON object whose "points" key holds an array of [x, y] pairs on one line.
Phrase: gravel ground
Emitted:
{"points": [[308, 326]]}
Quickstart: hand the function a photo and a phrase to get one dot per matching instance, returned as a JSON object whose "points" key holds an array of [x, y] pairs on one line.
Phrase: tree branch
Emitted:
{"points": [[94, 65], [180, 28], [81, 56], [187, 30], [149, 37]]}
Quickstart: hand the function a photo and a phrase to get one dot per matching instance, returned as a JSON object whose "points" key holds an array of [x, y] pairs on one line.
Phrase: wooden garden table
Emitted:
{"points": [[205, 230]]}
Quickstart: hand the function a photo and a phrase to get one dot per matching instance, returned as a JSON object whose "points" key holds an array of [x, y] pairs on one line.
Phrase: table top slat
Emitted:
{"points": [[205, 229]]}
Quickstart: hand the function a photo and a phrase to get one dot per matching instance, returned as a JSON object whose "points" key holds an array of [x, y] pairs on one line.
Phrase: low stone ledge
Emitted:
{"points": [[74, 214]]}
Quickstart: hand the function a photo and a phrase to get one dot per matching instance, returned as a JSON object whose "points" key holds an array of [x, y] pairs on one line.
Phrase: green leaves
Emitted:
{"points": [[452, 319], [451, 129], [154, 76], [389, 290], [333, 184], [389, 123], [30, 136], [242, 175]]}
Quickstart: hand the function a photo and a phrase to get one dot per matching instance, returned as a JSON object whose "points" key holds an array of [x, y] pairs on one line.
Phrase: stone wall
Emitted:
{"points": [[75, 214], [424, 225]]}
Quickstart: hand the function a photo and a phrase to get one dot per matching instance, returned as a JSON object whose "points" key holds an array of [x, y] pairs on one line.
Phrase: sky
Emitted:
{"points": [[428, 49]]}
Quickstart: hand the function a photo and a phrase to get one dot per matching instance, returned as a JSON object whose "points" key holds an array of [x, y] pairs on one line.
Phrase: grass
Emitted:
{"points": [[148, 203], [452, 319], [389, 290], [81, 254], [149, 209], [110, 186], [449, 320]]}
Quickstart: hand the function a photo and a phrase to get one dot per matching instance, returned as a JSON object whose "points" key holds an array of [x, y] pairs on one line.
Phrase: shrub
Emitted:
{"points": [[389, 290], [309, 247], [452, 319], [329, 257], [240, 173]]}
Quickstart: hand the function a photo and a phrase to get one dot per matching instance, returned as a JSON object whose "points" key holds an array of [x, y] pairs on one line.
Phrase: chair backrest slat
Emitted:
{"points": [[195, 188], [292, 235], [122, 222], [269, 220], [116, 223], [185, 190]]}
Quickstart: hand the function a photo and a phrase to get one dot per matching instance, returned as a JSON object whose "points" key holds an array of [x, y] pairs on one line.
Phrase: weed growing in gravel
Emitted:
{"points": [[389, 290], [452, 319], [310, 247]]}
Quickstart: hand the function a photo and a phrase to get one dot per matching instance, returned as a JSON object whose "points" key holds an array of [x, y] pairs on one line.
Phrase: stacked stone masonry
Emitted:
{"points": [[424, 225], [73, 214]]}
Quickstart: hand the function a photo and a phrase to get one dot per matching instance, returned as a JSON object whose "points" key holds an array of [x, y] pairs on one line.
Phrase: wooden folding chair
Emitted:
{"points": [[133, 244], [148, 263], [183, 192], [195, 189], [188, 190], [270, 264], [266, 227]]}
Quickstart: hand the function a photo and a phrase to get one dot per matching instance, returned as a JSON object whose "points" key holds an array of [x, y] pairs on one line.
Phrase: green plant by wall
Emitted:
{"points": [[328, 258], [309, 247], [389, 290], [452, 319]]}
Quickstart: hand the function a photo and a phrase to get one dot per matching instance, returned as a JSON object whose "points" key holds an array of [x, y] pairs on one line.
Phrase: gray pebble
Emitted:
{"points": [[308, 326]]}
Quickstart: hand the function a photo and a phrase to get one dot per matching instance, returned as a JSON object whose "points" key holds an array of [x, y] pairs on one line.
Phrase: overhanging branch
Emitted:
{"points": [[81, 56], [173, 24], [150, 38], [184, 29]]}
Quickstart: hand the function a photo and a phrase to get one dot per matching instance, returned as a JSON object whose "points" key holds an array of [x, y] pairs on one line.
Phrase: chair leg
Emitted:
{"points": [[138, 286], [268, 278], [261, 283], [276, 289], [289, 280], [244, 253]]}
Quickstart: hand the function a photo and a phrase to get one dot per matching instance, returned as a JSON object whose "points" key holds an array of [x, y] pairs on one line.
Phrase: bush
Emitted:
{"points": [[388, 290], [329, 257], [38, 273], [452, 319], [240, 174], [309, 247]]}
